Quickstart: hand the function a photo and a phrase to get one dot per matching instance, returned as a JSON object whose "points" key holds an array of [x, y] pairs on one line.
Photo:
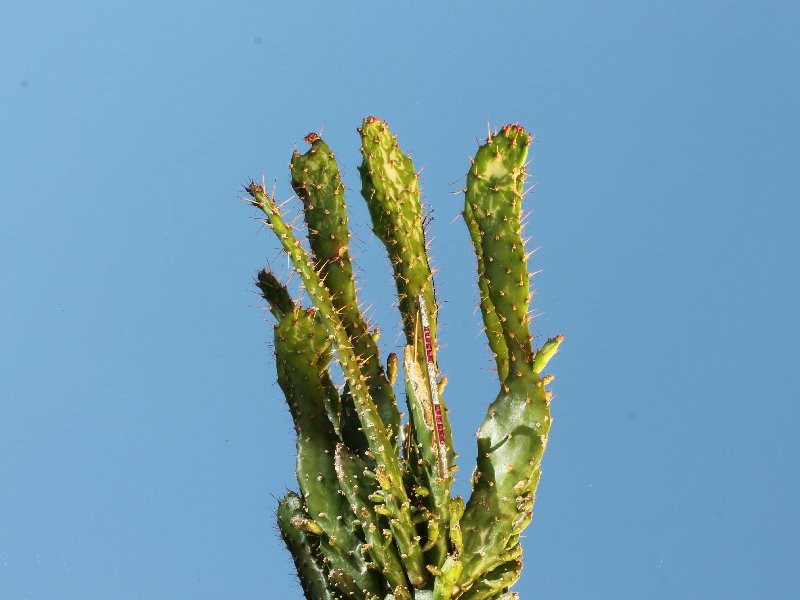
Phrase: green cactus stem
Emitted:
{"points": [[316, 181], [302, 354], [320, 295], [492, 325], [446, 581], [497, 581], [493, 210], [304, 549], [546, 352], [357, 486], [512, 438], [511, 442], [390, 185], [381, 449], [275, 293]]}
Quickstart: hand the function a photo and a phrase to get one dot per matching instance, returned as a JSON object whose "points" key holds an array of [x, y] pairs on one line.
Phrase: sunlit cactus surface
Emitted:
{"points": [[374, 517]]}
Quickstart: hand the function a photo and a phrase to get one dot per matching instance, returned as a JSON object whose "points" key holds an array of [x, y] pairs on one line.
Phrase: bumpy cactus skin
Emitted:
{"points": [[374, 519]]}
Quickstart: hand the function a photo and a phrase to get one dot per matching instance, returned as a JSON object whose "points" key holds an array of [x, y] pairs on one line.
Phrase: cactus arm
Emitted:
{"points": [[546, 352], [513, 436], [494, 584], [316, 180], [302, 356], [493, 203], [511, 442], [492, 324], [364, 405], [390, 186], [280, 304], [304, 549], [357, 489], [445, 584], [275, 293], [380, 446]]}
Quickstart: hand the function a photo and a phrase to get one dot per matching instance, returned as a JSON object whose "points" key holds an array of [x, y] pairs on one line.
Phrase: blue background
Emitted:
{"points": [[143, 441]]}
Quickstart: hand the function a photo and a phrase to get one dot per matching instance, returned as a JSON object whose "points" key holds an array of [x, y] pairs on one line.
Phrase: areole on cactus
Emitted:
{"points": [[374, 518]]}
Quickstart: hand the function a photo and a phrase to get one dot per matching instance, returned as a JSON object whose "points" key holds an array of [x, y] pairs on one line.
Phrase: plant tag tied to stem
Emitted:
{"points": [[437, 406]]}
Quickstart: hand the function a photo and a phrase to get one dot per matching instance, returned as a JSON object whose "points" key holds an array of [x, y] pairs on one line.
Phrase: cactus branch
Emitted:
{"points": [[380, 446], [316, 181]]}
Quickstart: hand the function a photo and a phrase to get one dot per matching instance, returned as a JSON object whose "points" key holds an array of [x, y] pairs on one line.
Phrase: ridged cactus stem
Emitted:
{"points": [[304, 548], [302, 354], [321, 298], [511, 442], [275, 293], [381, 448], [356, 487], [390, 185], [491, 320], [513, 436], [316, 181], [493, 208]]}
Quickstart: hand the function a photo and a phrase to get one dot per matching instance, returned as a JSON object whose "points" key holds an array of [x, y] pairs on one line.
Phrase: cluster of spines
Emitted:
{"points": [[375, 519]]}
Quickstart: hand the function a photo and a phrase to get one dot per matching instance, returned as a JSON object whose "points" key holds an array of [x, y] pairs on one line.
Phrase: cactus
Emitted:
{"points": [[375, 518]]}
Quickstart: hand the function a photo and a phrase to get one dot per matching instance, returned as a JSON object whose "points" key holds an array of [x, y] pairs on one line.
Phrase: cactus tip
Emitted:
{"points": [[254, 188], [515, 130]]}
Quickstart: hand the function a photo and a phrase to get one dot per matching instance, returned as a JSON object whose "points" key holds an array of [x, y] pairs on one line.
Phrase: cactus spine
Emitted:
{"points": [[375, 519]]}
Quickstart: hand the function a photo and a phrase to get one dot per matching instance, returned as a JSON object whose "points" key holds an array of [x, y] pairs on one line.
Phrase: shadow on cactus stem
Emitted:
{"points": [[374, 518]]}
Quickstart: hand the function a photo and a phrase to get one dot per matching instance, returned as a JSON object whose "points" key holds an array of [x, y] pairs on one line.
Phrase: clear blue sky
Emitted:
{"points": [[142, 439]]}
